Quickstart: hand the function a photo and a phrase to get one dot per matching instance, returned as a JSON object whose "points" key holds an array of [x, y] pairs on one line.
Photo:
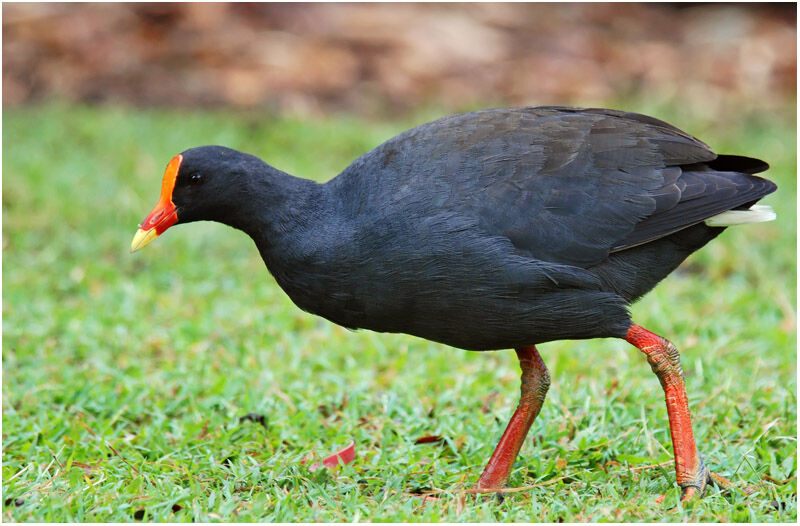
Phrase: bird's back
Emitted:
{"points": [[565, 185]]}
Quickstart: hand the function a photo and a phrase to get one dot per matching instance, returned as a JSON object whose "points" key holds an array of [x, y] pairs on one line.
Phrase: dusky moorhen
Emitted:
{"points": [[495, 229]]}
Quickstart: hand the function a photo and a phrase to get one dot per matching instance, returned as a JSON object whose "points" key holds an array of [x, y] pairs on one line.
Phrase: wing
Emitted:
{"points": [[565, 185], [582, 182]]}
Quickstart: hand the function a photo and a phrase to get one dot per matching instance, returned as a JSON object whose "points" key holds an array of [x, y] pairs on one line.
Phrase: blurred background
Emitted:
{"points": [[128, 379], [378, 59]]}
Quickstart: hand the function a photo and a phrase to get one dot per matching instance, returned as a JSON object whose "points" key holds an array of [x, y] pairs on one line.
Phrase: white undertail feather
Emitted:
{"points": [[755, 214]]}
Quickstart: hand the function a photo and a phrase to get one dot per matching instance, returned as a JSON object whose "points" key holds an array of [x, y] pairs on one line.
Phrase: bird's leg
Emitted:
{"points": [[535, 382], [691, 473]]}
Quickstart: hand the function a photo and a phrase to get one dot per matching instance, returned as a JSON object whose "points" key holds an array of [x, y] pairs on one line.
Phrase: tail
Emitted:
{"points": [[745, 214], [754, 214], [717, 193]]}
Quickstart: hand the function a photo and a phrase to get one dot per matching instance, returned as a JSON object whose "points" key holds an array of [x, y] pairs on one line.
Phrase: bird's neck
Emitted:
{"points": [[276, 206]]}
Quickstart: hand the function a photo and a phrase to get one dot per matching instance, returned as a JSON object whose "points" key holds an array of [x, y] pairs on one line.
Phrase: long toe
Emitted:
{"points": [[690, 492], [720, 481]]}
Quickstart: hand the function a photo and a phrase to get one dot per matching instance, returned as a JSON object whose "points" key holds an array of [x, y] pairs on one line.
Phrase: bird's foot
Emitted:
{"points": [[489, 489], [695, 488], [692, 491]]}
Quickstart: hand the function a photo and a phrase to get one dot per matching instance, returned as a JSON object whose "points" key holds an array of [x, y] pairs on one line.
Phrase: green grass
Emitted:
{"points": [[125, 377]]}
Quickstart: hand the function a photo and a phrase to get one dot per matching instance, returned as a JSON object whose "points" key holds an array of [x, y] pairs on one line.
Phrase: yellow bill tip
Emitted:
{"points": [[143, 238]]}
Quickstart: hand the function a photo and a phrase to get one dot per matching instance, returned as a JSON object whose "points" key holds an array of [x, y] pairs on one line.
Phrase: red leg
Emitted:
{"points": [[691, 473], [535, 382]]}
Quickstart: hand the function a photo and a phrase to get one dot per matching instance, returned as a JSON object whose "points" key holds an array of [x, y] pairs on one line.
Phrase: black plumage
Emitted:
{"points": [[486, 230], [494, 229]]}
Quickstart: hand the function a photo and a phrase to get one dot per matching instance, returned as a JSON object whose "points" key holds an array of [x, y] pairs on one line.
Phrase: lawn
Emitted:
{"points": [[128, 379]]}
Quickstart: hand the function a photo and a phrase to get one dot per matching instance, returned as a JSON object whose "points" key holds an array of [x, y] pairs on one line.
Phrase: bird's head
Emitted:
{"points": [[203, 183]]}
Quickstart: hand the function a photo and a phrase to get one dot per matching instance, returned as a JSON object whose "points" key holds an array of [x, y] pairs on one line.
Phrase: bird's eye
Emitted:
{"points": [[196, 178]]}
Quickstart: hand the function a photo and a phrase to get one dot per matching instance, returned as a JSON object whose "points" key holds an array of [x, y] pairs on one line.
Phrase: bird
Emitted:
{"points": [[496, 229]]}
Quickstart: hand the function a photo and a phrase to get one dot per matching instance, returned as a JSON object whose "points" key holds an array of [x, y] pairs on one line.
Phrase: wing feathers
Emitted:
{"points": [[701, 195], [564, 185]]}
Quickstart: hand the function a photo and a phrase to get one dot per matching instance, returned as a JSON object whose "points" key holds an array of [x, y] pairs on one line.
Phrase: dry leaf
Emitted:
{"points": [[346, 456], [427, 439]]}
